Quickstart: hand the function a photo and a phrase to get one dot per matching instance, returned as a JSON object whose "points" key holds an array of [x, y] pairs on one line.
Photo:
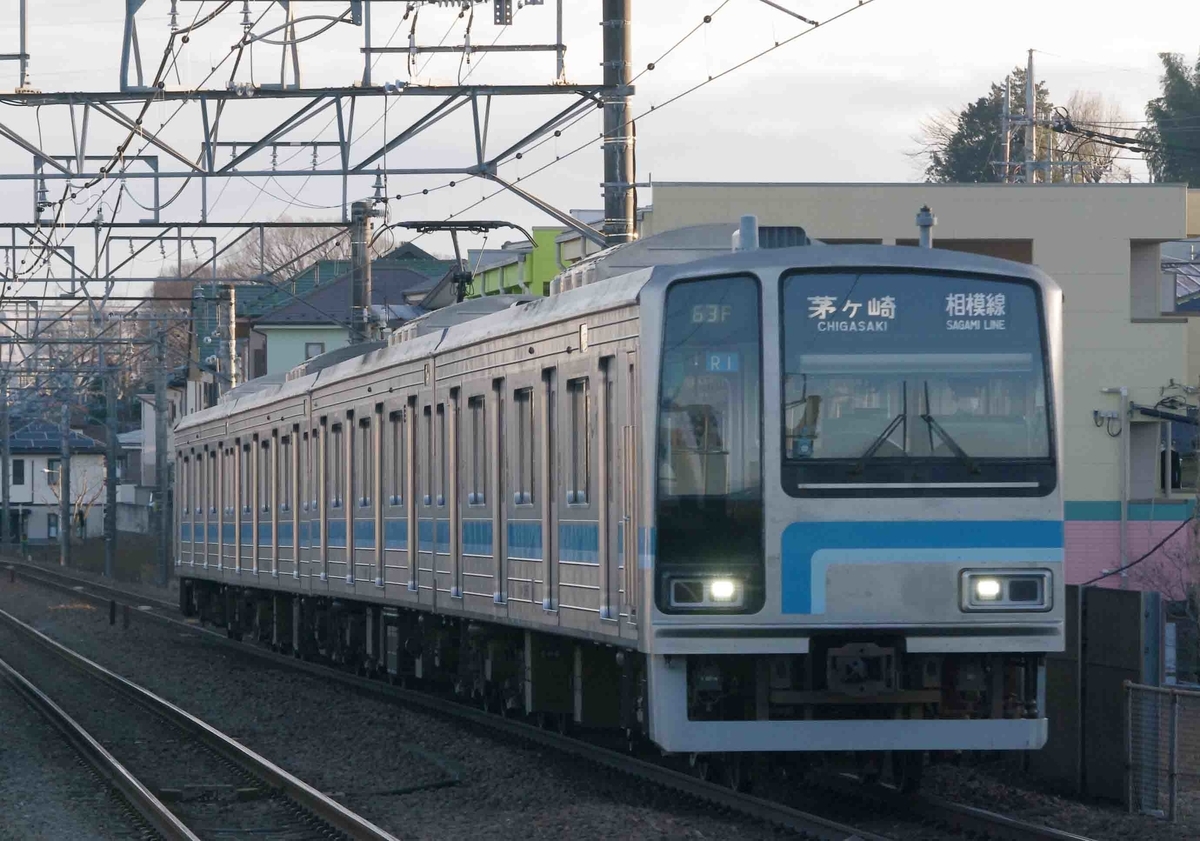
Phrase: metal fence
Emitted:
{"points": [[1162, 748]]}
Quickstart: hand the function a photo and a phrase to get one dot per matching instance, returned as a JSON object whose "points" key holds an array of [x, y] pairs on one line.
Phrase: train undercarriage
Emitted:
{"points": [[567, 684]]}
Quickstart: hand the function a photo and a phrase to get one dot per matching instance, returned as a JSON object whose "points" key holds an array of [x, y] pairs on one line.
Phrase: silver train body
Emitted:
{"points": [[804, 499]]}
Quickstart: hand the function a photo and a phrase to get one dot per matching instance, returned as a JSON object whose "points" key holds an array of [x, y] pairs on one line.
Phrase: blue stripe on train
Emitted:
{"points": [[247, 535], [185, 532], [525, 540], [285, 534], [395, 534], [364, 534], [264, 534], [579, 542], [212, 532], [227, 533], [807, 549], [477, 537], [337, 534]]}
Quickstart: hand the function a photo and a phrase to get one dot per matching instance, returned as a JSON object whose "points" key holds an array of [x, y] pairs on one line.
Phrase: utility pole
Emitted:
{"points": [[110, 468], [1006, 128], [229, 335], [619, 175], [362, 326], [160, 456], [5, 467], [64, 490], [1030, 121]]}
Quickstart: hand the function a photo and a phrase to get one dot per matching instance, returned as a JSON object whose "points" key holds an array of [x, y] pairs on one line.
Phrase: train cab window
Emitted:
{"points": [[265, 485], [913, 384], [366, 460], [244, 485], [524, 467], [477, 474], [709, 449], [285, 473], [443, 454], [578, 439], [396, 452], [335, 462]]}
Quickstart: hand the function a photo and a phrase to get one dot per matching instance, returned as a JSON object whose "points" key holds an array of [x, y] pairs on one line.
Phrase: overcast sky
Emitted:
{"points": [[840, 104]]}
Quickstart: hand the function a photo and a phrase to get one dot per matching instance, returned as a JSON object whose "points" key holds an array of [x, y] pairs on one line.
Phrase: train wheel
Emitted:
{"points": [[907, 769]]}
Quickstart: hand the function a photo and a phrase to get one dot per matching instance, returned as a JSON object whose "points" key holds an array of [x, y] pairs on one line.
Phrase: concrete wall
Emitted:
{"points": [[285, 344], [1098, 241]]}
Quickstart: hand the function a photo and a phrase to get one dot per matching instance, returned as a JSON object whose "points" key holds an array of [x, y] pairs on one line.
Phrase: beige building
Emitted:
{"points": [[1102, 244]]}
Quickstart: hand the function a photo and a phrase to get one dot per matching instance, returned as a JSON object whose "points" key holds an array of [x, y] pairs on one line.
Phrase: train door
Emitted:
{"points": [[631, 542], [496, 439], [609, 509], [550, 481], [524, 494]]}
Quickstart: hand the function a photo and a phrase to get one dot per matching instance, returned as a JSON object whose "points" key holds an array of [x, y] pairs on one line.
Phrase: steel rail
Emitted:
{"points": [[150, 808], [317, 803], [777, 814]]}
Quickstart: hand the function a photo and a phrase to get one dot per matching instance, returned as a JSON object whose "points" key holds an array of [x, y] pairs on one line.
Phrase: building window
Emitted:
{"points": [[52, 466], [579, 468], [396, 497], [18, 471], [312, 349], [285, 473], [51, 525], [477, 417], [337, 474], [366, 454], [523, 494]]}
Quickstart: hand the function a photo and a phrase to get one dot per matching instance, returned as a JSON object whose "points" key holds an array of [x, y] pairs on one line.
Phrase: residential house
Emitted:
{"points": [[318, 322], [35, 449]]}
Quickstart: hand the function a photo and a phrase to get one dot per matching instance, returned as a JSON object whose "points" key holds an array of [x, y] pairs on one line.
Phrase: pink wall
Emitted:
{"points": [[1093, 546]]}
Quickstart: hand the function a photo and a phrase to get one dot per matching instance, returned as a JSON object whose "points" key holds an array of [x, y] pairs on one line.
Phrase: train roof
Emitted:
{"points": [[611, 293]]}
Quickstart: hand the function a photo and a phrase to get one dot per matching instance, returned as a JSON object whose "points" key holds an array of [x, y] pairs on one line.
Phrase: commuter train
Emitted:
{"points": [[801, 499]]}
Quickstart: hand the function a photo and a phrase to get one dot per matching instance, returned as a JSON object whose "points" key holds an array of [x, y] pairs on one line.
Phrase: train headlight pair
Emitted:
{"points": [[1006, 589]]}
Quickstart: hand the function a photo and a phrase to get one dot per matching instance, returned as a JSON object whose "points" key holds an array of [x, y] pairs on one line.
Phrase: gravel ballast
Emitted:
{"points": [[46, 789], [416, 775]]}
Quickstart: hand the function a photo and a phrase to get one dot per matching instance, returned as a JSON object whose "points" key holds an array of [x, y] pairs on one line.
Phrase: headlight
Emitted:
{"points": [[722, 592], [722, 589], [1009, 590]]}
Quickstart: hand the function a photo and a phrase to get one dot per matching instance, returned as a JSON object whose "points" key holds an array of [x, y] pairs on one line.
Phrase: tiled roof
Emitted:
{"points": [[46, 437], [329, 303]]}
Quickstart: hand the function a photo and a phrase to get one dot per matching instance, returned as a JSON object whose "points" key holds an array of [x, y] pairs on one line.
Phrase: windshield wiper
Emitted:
{"points": [[945, 436], [882, 438]]}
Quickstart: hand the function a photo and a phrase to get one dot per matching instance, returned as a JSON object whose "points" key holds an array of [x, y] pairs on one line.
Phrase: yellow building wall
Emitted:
{"points": [[1080, 236]]}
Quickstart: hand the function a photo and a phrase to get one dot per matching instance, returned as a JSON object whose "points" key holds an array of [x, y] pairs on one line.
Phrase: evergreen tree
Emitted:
{"points": [[1171, 139]]}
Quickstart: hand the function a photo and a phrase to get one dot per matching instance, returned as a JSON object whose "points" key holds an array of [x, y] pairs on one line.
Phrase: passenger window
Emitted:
{"points": [[441, 454], [337, 475], [578, 439], [212, 482], [396, 443], [264, 476], [477, 412], [523, 401], [285, 473], [428, 472], [244, 484], [366, 450]]}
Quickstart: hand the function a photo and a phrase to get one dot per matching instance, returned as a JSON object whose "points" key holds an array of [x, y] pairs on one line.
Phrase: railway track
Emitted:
{"points": [[217, 788], [957, 819]]}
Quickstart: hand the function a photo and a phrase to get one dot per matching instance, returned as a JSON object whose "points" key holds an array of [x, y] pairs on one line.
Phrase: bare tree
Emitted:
{"points": [[83, 497], [1098, 161]]}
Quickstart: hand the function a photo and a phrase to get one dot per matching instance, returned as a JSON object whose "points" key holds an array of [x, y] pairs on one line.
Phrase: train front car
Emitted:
{"points": [[856, 539]]}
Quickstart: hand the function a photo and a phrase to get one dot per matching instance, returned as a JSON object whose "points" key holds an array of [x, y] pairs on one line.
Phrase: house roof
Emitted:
{"points": [[46, 437], [329, 303]]}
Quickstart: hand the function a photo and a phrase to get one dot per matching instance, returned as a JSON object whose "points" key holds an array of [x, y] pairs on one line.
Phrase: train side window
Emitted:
{"points": [[336, 474], [607, 368], [578, 439], [305, 469], [441, 453], [477, 410], [396, 443], [285, 473], [523, 401], [366, 447], [244, 485], [227, 499], [265, 485], [213, 489], [428, 471], [185, 494]]}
